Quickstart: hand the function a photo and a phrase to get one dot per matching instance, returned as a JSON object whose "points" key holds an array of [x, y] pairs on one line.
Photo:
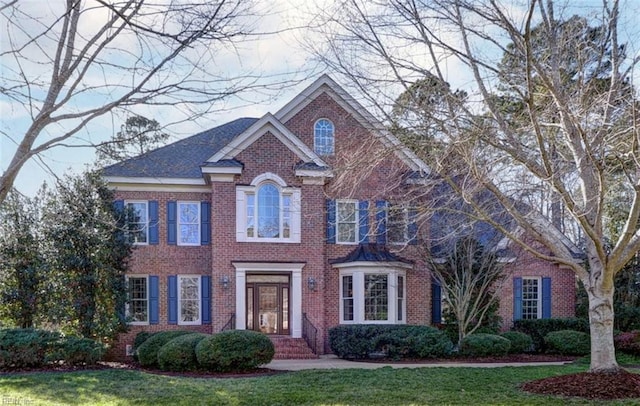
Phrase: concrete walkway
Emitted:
{"points": [[333, 362]]}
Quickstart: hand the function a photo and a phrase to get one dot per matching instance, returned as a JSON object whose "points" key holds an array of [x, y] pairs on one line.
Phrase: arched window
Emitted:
{"points": [[323, 137], [270, 211]]}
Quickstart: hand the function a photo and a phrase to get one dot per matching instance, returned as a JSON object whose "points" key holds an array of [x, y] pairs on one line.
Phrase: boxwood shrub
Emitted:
{"points": [[27, 348], [179, 354], [80, 351], [520, 342], [141, 337], [484, 345], [568, 342], [360, 341], [539, 328], [234, 351], [148, 351]]}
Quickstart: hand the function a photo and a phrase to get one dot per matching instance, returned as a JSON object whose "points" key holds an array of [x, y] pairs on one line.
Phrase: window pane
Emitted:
{"points": [[397, 225], [376, 305], [400, 295], [138, 299], [530, 298], [189, 219], [137, 222], [347, 298], [268, 212], [189, 299], [324, 137], [347, 221], [286, 216], [251, 207]]}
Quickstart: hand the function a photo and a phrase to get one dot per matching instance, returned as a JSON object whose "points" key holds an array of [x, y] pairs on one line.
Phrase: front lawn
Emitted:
{"points": [[384, 386]]}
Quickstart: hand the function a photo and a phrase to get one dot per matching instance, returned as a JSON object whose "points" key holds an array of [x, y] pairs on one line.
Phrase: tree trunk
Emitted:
{"points": [[603, 356]]}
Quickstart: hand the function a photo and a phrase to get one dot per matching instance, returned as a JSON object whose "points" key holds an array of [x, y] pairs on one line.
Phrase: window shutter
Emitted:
{"points": [[363, 221], [205, 284], [331, 221], [412, 227], [154, 296], [205, 223], [517, 298], [173, 299], [436, 302], [381, 222], [172, 223], [546, 298], [153, 222], [118, 205]]}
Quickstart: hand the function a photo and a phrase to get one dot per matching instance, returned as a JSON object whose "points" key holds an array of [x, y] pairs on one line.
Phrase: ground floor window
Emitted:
{"points": [[188, 299], [138, 299], [372, 295], [531, 298]]}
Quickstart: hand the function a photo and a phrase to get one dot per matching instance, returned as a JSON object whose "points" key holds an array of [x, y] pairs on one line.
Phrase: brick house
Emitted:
{"points": [[258, 224]]}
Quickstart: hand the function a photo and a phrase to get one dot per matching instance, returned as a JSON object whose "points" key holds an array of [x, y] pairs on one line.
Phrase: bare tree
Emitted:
{"points": [[589, 146], [66, 63]]}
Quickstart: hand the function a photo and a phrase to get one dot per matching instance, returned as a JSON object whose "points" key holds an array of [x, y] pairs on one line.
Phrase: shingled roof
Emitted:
{"points": [[183, 158]]}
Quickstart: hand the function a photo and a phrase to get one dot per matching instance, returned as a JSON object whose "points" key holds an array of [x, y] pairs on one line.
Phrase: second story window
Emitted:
{"points": [[188, 223], [137, 221], [323, 137], [347, 221]]}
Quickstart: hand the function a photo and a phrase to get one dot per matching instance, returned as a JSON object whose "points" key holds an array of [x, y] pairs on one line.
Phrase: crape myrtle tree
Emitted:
{"points": [[67, 63], [470, 277], [23, 262], [89, 258], [573, 129]]}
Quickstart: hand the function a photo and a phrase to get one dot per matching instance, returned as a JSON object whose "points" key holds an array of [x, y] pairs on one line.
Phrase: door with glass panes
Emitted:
{"points": [[268, 303]]}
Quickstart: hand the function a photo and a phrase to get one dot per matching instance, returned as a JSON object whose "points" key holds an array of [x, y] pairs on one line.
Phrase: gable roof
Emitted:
{"points": [[193, 152]]}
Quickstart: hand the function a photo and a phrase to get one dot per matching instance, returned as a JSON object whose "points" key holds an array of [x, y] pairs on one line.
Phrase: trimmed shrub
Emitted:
{"points": [[628, 343], [361, 341], [234, 351], [148, 351], [520, 342], [141, 337], [484, 345], [568, 342], [27, 348], [539, 328], [179, 354], [80, 351]]}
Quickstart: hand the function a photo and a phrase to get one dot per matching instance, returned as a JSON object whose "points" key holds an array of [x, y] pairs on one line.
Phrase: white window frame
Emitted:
{"points": [[539, 296], [179, 224], [128, 307], [316, 147], [358, 273], [405, 224], [146, 227], [294, 214], [357, 221], [199, 300]]}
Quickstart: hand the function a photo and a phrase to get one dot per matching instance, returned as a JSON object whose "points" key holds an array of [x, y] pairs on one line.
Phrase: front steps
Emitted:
{"points": [[291, 348]]}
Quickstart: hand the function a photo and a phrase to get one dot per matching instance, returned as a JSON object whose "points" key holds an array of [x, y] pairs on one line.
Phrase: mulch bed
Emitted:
{"points": [[596, 386]]}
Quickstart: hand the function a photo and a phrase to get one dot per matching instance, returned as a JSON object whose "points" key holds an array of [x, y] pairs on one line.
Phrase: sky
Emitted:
{"points": [[276, 55]]}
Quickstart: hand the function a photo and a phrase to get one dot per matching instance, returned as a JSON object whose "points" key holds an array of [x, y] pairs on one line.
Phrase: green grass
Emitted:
{"points": [[384, 386]]}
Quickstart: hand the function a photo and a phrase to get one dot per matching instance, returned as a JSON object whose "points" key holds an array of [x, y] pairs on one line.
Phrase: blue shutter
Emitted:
{"points": [[118, 205], [381, 222], [412, 227], [153, 222], [331, 221], [436, 302], [172, 223], [172, 297], [546, 298], [154, 296], [363, 221], [205, 223], [517, 298], [205, 285]]}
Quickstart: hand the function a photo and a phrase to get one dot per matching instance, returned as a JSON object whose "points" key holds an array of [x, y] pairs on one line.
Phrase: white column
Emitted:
{"points": [[241, 300], [296, 303]]}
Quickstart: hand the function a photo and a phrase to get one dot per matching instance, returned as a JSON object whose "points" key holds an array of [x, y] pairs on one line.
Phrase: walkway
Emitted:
{"points": [[333, 362]]}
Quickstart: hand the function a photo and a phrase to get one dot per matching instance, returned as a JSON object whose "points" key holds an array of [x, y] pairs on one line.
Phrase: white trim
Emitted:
{"points": [[268, 176], [268, 123], [372, 264], [146, 204], [160, 188], [236, 170], [154, 180], [539, 293], [294, 269], [325, 173], [222, 177], [189, 323]]}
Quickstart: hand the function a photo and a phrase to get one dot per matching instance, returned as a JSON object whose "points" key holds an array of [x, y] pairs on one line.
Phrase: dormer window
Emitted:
{"points": [[323, 137]]}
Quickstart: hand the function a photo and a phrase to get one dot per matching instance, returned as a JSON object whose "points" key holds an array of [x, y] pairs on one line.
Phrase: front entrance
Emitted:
{"points": [[268, 303]]}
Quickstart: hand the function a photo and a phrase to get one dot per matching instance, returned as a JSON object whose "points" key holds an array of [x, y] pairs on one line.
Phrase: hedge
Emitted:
{"points": [[148, 351], [179, 354], [568, 342], [539, 328], [520, 342], [234, 351], [484, 345]]}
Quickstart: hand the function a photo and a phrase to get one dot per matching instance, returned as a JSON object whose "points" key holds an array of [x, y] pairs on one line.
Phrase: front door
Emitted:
{"points": [[268, 303]]}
